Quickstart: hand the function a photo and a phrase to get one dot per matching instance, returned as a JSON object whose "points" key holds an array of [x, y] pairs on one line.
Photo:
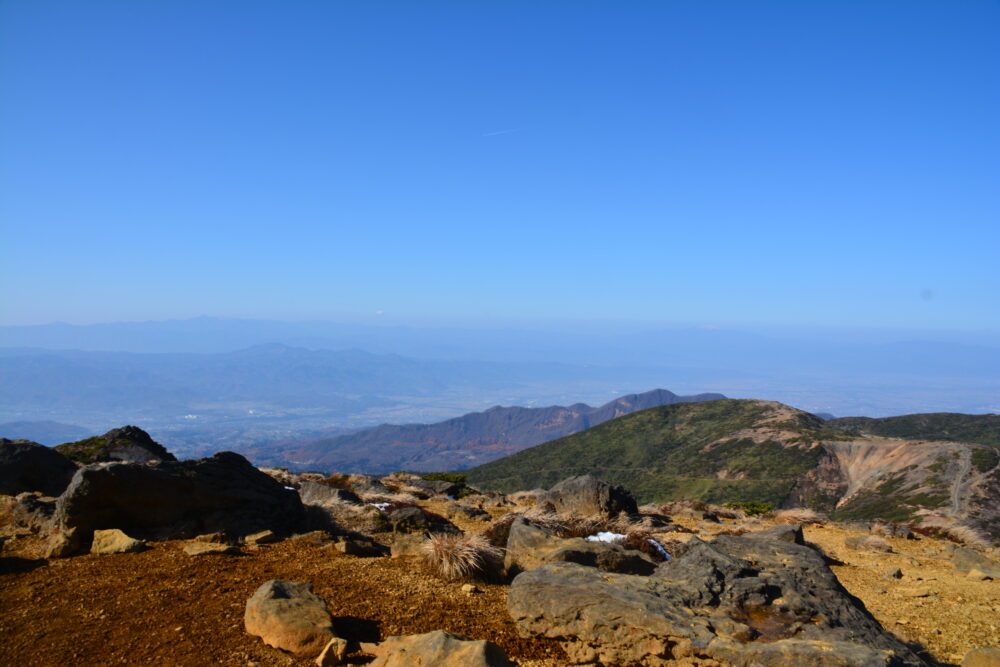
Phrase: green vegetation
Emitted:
{"points": [[684, 450], [752, 508], [981, 429], [453, 477], [984, 459], [89, 450]]}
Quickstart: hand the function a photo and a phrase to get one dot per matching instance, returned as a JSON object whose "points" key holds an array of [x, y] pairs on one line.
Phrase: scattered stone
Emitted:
{"points": [[288, 615], [894, 573], [470, 589], [316, 538], [211, 549], [263, 537], [586, 496], [29, 466], [868, 543], [334, 654], [212, 538], [416, 520], [916, 592], [438, 649], [738, 600], [175, 500], [114, 541], [982, 657], [359, 546], [888, 529], [965, 560]]}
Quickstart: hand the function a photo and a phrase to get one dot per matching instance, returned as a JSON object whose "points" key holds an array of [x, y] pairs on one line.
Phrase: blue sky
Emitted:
{"points": [[805, 163]]}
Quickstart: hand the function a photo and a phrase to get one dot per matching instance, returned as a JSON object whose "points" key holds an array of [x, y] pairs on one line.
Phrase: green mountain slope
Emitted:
{"points": [[719, 451], [982, 429]]}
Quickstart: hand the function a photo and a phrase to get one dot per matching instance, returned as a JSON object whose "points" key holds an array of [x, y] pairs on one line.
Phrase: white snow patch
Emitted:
{"points": [[290, 488], [380, 506], [606, 537], [659, 547]]}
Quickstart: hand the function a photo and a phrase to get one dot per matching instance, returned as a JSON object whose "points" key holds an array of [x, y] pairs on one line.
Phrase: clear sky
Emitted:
{"points": [[703, 162]]}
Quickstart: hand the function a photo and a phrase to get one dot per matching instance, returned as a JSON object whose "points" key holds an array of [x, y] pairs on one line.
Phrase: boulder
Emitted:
{"points": [[438, 649], [868, 543], [436, 487], [360, 546], [174, 500], [965, 560], [33, 511], [586, 496], [457, 510], [114, 541], [416, 520], [29, 466], [792, 534], [317, 493], [889, 529], [129, 444], [263, 537], [738, 600], [290, 616]]}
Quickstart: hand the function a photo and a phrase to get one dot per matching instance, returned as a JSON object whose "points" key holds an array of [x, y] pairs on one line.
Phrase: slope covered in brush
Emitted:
{"points": [[982, 429], [719, 451]]}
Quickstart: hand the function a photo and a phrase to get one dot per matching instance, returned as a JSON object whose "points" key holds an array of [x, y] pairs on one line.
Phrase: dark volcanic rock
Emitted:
{"points": [[317, 493], [129, 444], [586, 495], [416, 520], [173, 500], [738, 600], [28, 466]]}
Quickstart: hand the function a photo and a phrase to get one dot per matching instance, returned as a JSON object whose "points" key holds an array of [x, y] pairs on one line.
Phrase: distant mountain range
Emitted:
{"points": [[456, 443], [748, 450]]}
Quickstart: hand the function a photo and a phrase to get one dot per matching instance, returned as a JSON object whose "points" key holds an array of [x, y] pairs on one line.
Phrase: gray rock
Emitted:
{"points": [[199, 548], [586, 496], [982, 657], [738, 600], [317, 493], [29, 466], [438, 649], [33, 511], [416, 520], [435, 487], [175, 500], [290, 616], [457, 510], [965, 560], [529, 546], [360, 546], [792, 534]]}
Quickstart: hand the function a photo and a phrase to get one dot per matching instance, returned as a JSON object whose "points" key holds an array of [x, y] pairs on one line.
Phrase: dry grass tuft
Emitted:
{"points": [[940, 526], [460, 557]]}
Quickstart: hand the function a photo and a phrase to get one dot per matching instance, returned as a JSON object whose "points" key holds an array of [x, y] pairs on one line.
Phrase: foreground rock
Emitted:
{"points": [[114, 541], [438, 649], [966, 560], [289, 616], [172, 500], [129, 444], [738, 600], [586, 496], [29, 466]]}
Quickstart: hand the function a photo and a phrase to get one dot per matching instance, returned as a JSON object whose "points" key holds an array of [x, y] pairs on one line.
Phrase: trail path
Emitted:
{"points": [[962, 480]]}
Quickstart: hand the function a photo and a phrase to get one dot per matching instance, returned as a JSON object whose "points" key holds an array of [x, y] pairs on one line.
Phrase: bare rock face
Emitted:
{"points": [[966, 560], [29, 466], [114, 541], [586, 496], [289, 616], [317, 493], [738, 600], [173, 500], [440, 649]]}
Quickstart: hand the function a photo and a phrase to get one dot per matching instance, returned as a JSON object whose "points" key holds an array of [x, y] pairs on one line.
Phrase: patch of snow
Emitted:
{"points": [[380, 506], [659, 547], [290, 488], [606, 536], [452, 498]]}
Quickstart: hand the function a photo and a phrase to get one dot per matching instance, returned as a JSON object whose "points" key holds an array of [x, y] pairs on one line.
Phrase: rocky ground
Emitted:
{"points": [[164, 606]]}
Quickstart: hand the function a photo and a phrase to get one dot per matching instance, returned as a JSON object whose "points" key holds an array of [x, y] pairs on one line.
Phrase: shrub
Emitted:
{"points": [[453, 477], [949, 529], [752, 508], [458, 557]]}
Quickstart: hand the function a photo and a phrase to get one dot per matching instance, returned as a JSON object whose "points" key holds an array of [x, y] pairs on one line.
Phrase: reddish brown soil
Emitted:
{"points": [[166, 607]]}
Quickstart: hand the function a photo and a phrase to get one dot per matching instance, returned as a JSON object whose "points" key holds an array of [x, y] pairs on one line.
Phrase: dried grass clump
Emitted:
{"points": [[526, 498], [462, 557], [798, 515], [949, 529], [401, 499]]}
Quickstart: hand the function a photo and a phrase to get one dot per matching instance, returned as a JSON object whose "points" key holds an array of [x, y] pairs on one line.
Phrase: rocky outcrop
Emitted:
{"points": [[172, 500], [416, 520], [288, 615], [129, 444], [459, 511], [966, 560], [438, 649], [530, 546], [738, 600], [29, 466], [587, 496], [32, 511], [317, 493]]}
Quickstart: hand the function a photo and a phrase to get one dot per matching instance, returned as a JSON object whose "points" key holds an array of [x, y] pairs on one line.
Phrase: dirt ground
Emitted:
{"points": [[165, 607]]}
